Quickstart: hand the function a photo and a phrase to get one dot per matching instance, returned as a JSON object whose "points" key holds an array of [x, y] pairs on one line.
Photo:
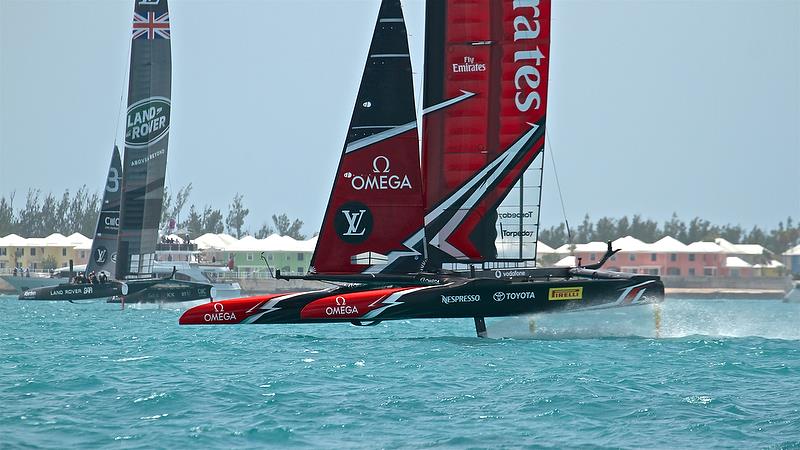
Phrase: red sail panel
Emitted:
{"points": [[486, 65], [373, 222]]}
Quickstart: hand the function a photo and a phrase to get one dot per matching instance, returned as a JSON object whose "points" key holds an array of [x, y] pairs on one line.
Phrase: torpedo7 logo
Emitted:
{"points": [[353, 222]]}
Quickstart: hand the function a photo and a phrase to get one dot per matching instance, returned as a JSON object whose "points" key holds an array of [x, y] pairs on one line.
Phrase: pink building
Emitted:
{"points": [[668, 256]]}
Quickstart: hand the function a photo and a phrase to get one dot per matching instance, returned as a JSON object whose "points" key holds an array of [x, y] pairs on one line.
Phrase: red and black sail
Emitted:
{"points": [[485, 97], [374, 219]]}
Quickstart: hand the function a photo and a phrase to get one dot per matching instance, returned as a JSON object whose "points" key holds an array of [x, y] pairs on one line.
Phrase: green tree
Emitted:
{"points": [[674, 227], [606, 229], [264, 231], [286, 227], [172, 207], [236, 215], [193, 223], [212, 221], [7, 222]]}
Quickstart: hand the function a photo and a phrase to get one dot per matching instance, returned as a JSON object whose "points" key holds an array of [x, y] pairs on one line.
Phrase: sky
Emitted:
{"points": [[655, 106]]}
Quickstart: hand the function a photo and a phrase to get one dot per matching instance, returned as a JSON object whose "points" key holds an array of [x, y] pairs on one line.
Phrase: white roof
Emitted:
{"points": [[736, 262], [542, 248], [595, 246], [12, 240], [740, 249], [794, 251], [214, 241], [773, 264], [79, 241], [567, 261], [508, 248], [669, 244], [704, 247], [75, 240], [631, 244], [563, 250]]}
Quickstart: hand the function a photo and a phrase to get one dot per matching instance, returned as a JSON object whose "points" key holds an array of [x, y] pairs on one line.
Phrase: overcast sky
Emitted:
{"points": [[655, 107]]}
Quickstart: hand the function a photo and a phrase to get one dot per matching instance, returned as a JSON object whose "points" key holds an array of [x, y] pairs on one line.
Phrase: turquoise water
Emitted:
{"points": [[722, 374]]}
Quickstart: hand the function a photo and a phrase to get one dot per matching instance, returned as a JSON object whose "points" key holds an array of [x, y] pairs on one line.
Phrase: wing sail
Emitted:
{"points": [[374, 217]]}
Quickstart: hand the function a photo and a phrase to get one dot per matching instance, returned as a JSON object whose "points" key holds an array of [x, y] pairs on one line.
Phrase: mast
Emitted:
{"points": [[374, 219], [485, 98], [104, 245], [146, 137]]}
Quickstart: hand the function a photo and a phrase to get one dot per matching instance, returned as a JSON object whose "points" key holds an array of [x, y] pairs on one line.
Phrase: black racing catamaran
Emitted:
{"points": [[449, 232], [127, 228]]}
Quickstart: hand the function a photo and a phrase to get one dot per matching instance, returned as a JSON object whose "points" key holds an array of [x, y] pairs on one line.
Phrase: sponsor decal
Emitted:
{"points": [[509, 273], [109, 223], [501, 296], [515, 215], [517, 233], [154, 155], [29, 293], [219, 314], [469, 65], [380, 179], [353, 222], [430, 280], [468, 298], [527, 78], [147, 122], [100, 255], [112, 185], [73, 291], [341, 308], [565, 293]]}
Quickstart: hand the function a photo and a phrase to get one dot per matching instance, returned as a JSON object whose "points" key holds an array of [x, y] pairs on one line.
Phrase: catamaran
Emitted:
{"points": [[127, 228], [451, 231]]}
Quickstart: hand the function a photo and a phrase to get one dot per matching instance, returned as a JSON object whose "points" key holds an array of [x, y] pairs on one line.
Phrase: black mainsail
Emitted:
{"points": [[104, 246], [146, 137], [127, 230]]}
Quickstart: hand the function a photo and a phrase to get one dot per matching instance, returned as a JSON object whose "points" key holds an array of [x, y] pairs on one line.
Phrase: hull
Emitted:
{"points": [[74, 292], [448, 298], [167, 291], [134, 291]]}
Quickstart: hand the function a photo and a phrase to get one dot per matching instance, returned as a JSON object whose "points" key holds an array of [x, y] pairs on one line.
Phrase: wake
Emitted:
{"points": [[771, 319]]}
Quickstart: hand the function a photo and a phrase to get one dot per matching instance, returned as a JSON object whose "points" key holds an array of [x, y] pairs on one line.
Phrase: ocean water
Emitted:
{"points": [[713, 374]]}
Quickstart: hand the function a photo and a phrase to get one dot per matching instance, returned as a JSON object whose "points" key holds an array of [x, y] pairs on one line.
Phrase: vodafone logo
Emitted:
{"points": [[219, 314], [380, 179]]}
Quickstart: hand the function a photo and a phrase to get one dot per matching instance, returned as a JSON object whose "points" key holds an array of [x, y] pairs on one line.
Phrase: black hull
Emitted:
{"points": [[134, 291], [73, 292], [168, 291], [452, 298]]}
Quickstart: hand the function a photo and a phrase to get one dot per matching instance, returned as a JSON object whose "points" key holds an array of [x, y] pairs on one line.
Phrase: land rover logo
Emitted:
{"points": [[353, 222], [148, 122]]}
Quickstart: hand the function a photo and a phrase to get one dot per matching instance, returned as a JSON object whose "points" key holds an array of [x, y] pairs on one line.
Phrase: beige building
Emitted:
{"points": [[39, 254]]}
